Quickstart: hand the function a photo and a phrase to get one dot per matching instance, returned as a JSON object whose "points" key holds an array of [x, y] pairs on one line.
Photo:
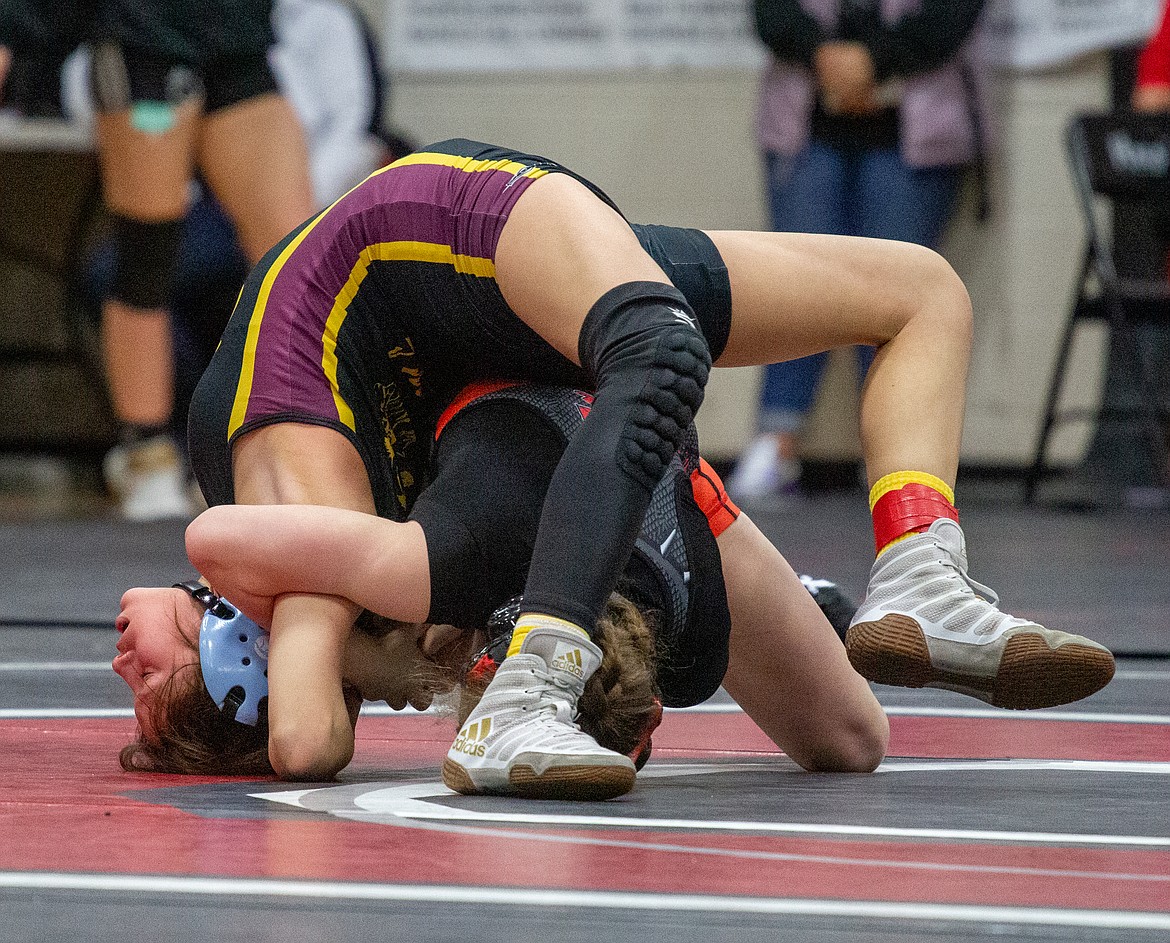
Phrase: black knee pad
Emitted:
{"points": [[145, 257], [643, 347]]}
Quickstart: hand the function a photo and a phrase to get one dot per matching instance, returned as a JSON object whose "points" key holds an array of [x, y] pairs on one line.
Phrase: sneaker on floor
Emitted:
{"points": [[149, 480], [925, 623], [522, 738], [838, 608], [761, 472]]}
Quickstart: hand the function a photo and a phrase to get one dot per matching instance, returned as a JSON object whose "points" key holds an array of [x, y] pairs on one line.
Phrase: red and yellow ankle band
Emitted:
{"points": [[908, 502]]}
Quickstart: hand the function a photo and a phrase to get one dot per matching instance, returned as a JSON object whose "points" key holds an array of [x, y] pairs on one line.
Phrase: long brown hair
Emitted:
{"points": [[197, 738]]}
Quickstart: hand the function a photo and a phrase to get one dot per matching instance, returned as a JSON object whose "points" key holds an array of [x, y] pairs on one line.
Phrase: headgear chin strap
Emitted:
{"points": [[501, 624], [233, 655]]}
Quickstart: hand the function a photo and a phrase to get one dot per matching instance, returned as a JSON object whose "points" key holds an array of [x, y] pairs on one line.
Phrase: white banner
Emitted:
{"points": [[600, 35], [1038, 34], [580, 35]]}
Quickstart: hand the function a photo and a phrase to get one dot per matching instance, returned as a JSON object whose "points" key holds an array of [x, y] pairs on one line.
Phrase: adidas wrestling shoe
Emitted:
{"points": [[925, 623], [522, 738]]}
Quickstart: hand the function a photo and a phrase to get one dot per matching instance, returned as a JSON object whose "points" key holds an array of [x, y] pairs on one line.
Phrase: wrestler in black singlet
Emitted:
{"points": [[496, 450]]}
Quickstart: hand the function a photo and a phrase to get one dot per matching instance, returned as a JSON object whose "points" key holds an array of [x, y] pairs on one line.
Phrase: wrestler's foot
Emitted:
{"points": [[925, 623], [523, 739]]}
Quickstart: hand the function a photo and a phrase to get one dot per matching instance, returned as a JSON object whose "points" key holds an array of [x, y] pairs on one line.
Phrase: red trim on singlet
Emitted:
{"points": [[712, 499], [468, 395], [706, 485]]}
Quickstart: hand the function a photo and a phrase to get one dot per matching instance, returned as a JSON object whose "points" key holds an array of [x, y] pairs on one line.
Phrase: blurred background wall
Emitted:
{"points": [[678, 147]]}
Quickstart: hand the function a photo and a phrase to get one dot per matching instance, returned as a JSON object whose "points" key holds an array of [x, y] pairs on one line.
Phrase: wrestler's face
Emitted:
{"points": [[158, 633]]}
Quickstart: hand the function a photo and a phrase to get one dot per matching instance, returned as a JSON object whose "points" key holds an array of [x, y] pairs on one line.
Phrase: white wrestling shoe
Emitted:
{"points": [[522, 738], [925, 623], [149, 480]]}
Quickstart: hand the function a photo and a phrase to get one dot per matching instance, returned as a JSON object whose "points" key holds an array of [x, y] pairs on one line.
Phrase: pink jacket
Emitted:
{"points": [[937, 115]]}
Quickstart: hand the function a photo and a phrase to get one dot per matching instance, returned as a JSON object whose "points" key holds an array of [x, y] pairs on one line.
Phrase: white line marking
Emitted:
{"points": [[811, 828], [552, 837], [58, 713], [382, 710], [988, 712], [1143, 674], [409, 801], [36, 667], [1061, 715], [608, 900]]}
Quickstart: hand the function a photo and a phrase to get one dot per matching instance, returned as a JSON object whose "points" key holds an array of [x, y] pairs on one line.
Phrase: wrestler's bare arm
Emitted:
{"points": [[311, 735], [307, 572], [787, 668], [253, 553]]}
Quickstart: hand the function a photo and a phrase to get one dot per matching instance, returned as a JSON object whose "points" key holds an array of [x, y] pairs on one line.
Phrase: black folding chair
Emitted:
{"points": [[1120, 165]]}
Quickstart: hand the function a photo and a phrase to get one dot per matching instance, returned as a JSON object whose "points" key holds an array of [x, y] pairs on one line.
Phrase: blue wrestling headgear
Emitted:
{"points": [[233, 655]]}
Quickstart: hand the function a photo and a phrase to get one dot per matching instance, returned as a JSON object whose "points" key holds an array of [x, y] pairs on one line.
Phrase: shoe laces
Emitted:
{"points": [[553, 696], [955, 570]]}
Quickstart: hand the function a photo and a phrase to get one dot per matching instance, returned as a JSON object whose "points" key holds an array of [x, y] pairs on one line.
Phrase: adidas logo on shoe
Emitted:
{"points": [[471, 738], [568, 658]]}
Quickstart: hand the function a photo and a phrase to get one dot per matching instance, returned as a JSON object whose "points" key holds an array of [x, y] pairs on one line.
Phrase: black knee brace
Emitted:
{"points": [[643, 347], [650, 361], [145, 258]]}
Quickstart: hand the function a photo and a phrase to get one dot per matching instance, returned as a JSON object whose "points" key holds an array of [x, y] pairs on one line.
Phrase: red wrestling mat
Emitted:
{"points": [[715, 813]]}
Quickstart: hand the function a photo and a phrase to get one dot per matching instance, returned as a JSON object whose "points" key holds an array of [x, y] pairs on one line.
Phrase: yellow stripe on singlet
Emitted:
{"points": [[403, 251], [385, 251], [470, 164], [248, 367]]}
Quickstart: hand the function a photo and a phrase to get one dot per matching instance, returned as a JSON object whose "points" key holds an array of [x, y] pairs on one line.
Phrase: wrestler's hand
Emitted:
{"points": [[403, 671]]}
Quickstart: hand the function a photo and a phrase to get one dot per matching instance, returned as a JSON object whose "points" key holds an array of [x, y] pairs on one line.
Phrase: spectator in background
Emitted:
{"points": [[176, 86], [325, 63], [869, 114]]}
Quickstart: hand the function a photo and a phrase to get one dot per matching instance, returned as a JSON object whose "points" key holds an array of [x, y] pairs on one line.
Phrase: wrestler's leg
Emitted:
{"points": [[572, 269], [145, 176], [254, 158], [924, 622], [796, 294], [561, 249], [787, 668]]}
